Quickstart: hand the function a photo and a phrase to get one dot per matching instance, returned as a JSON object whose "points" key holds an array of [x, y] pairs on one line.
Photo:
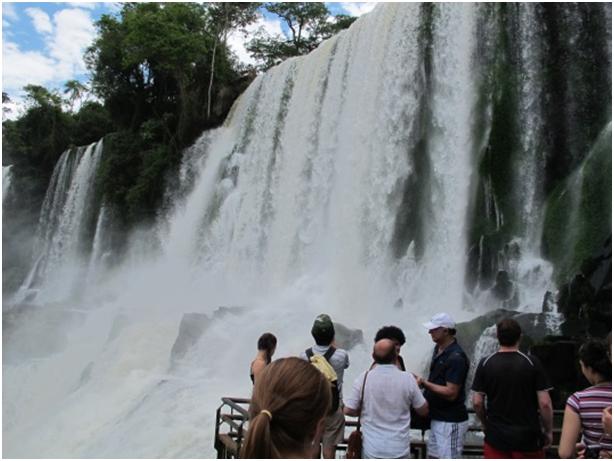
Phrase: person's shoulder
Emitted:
{"points": [[529, 359], [457, 347], [341, 352], [491, 358], [594, 392]]}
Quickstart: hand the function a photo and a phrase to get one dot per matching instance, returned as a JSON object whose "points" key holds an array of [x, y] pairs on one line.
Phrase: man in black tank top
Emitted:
{"points": [[510, 394]]}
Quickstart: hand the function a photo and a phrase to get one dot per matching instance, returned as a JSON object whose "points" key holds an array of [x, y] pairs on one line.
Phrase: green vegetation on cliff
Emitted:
{"points": [[579, 211]]}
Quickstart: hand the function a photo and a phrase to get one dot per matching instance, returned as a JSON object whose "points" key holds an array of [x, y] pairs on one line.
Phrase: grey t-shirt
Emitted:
{"points": [[340, 360]]}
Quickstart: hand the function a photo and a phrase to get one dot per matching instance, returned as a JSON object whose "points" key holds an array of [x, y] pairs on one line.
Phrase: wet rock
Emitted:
{"points": [[223, 311], [193, 325], [586, 300], [191, 328], [504, 287], [559, 357], [346, 338]]}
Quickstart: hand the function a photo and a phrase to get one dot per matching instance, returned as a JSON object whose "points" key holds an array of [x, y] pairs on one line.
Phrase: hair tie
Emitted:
{"points": [[268, 413]]}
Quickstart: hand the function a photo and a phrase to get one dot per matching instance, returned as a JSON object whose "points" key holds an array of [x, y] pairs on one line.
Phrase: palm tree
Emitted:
{"points": [[75, 89]]}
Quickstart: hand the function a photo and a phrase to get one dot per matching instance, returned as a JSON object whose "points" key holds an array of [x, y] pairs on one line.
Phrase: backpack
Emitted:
{"points": [[322, 363]]}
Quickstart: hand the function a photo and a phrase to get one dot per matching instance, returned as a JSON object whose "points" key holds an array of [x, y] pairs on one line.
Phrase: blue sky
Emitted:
{"points": [[43, 43]]}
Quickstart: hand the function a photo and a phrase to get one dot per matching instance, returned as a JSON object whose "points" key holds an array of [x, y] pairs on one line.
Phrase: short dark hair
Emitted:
{"points": [[508, 332], [594, 354], [323, 337], [451, 331], [390, 332]]}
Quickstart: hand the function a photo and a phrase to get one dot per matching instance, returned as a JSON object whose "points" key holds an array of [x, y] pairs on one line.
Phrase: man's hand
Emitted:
{"points": [[419, 380], [580, 450]]}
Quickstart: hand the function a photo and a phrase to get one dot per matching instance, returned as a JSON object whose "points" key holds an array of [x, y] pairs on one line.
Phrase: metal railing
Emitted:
{"points": [[232, 419]]}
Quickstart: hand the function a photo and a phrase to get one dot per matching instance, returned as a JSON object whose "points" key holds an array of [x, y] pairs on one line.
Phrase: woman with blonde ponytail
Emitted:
{"points": [[289, 403]]}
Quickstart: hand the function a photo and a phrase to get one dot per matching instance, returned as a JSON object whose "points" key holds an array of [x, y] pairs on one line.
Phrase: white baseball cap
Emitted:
{"points": [[442, 320]]}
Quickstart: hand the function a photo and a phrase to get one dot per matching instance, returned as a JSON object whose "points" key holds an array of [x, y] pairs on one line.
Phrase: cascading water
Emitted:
{"points": [[341, 182], [6, 180], [63, 225]]}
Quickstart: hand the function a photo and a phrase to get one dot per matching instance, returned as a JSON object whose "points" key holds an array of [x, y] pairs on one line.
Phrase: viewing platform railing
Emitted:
{"points": [[232, 421]]}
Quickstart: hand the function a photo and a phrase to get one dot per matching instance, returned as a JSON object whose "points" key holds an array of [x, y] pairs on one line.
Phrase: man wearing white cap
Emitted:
{"points": [[445, 390]]}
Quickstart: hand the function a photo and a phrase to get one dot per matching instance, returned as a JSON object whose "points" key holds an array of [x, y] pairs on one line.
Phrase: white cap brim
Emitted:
{"points": [[432, 326]]}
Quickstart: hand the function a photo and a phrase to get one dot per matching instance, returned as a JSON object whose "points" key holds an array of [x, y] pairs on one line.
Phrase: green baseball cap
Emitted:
{"points": [[322, 325]]}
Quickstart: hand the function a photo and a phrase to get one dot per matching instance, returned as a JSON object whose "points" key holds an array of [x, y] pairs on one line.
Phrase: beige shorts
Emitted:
{"points": [[334, 426]]}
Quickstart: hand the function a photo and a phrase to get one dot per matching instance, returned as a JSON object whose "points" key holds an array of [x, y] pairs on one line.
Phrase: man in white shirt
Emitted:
{"points": [[389, 393]]}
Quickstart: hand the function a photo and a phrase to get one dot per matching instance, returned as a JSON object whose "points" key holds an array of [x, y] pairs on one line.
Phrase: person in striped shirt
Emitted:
{"points": [[584, 408]]}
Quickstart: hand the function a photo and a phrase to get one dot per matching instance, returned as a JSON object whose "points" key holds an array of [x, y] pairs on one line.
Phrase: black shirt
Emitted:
{"points": [[510, 381], [451, 366]]}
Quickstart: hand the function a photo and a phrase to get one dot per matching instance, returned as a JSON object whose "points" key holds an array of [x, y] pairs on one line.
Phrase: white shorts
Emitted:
{"points": [[446, 439]]}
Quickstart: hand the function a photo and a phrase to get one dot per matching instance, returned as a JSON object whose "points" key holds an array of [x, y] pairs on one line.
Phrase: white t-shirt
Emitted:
{"points": [[389, 394]]}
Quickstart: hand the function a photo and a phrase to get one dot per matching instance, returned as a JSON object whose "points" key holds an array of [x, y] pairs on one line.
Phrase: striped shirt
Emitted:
{"points": [[589, 405]]}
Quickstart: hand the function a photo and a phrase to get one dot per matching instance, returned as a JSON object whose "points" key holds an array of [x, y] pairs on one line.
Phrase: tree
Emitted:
{"points": [[224, 17], [75, 91], [5, 109], [37, 95], [309, 23]]}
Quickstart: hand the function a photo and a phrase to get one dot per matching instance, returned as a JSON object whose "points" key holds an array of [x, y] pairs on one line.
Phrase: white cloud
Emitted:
{"points": [[14, 109], [75, 31], [357, 8], [9, 12], [237, 39], [40, 20], [22, 67], [86, 5]]}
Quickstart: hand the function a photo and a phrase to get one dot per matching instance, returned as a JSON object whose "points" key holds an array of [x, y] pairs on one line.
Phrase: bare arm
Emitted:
{"points": [[570, 432], [350, 411], [449, 391], [545, 410], [423, 410], [606, 420], [478, 406]]}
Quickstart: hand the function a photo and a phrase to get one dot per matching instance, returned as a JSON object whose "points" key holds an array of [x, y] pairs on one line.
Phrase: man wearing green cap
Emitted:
{"points": [[323, 332]]}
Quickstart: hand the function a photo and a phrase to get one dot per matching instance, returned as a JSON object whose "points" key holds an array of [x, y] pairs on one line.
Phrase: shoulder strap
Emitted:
{"points": [[329, 353], [309, 353], [362, 394]]}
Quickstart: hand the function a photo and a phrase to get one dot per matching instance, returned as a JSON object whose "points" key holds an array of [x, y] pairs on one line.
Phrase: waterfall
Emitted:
{"points": [[370, 179], [6, 180], [62, 234]]}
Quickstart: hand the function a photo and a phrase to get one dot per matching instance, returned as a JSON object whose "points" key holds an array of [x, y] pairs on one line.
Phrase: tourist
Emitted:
{"points": [[395, 334], [606, 417], [445, 390], [516, 389], [583, 412], [267, 343], [323, 332], [385, 416], [287, 410]]}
